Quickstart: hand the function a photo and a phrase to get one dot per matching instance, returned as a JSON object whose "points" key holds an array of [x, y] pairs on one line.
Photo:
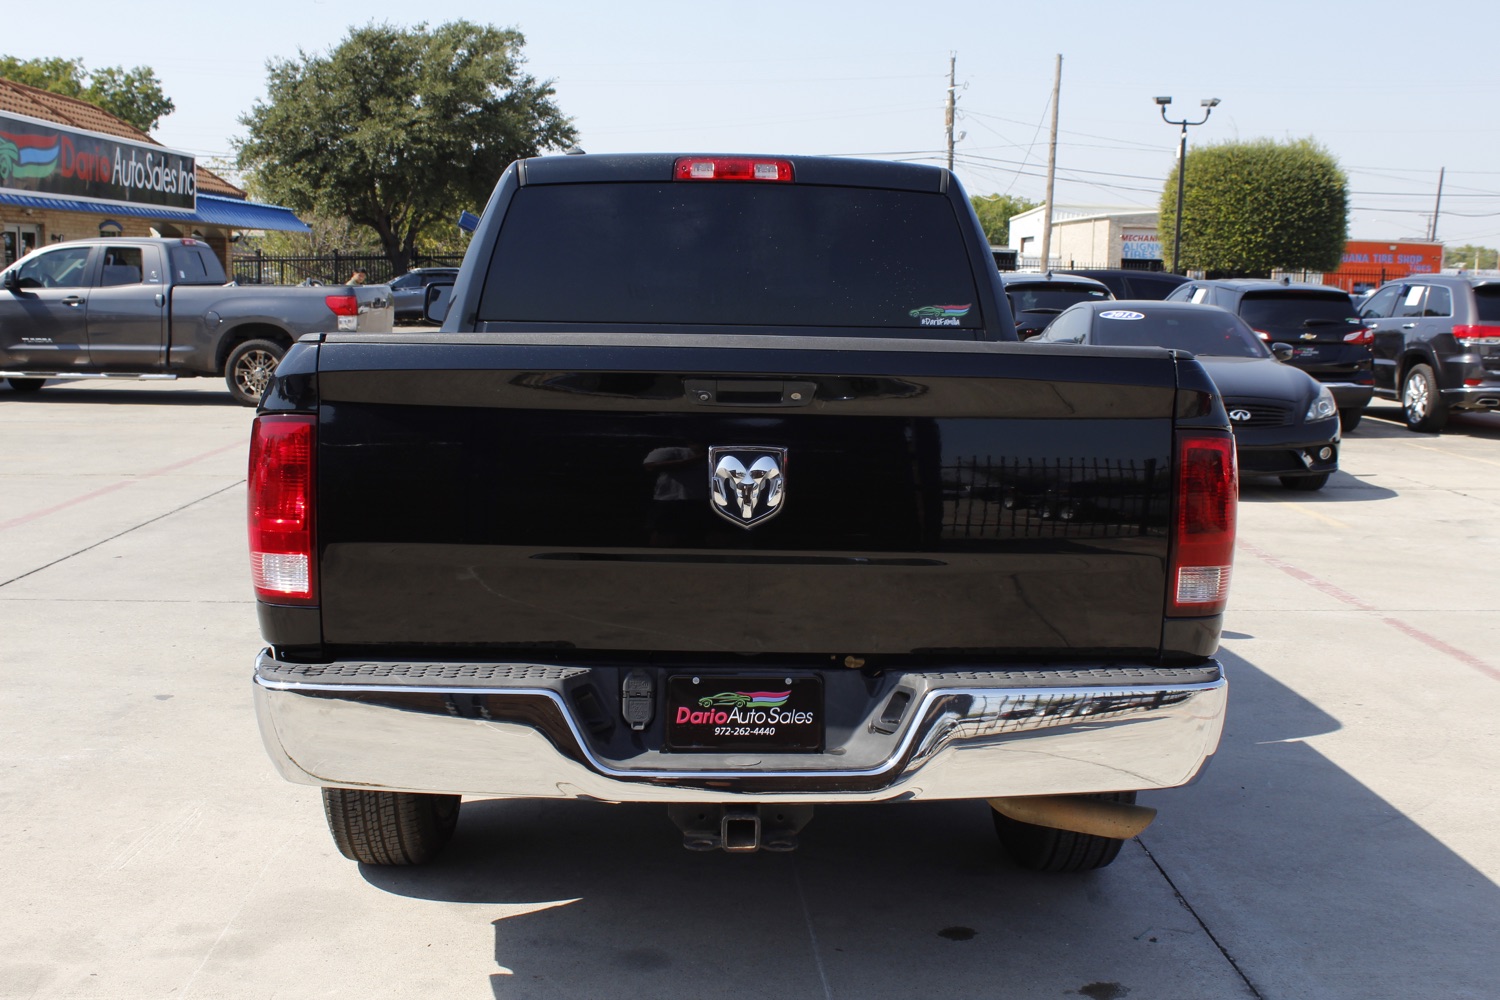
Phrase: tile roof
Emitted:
{"points": [[20, 99]]}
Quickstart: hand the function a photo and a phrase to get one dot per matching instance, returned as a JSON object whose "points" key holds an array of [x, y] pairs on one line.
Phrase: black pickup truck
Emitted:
{"points": [[727, 486], [158, 308]]}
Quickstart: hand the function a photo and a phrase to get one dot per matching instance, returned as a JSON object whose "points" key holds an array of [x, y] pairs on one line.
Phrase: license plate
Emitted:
{"points": [[768, 714]]}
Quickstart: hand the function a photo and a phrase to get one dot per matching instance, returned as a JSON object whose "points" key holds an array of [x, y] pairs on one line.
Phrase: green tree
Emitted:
{"points": [[1252, 207], [134, 96], [1470, 256], [399, 129], [995, 212]]}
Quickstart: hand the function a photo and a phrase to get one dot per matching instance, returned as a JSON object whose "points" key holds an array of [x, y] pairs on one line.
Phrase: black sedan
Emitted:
{"points": [[410, 290], [1286, 423]]}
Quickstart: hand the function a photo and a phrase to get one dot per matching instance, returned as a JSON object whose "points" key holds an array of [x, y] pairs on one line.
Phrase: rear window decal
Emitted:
{"points": [[1121, 314], [940, 315]]}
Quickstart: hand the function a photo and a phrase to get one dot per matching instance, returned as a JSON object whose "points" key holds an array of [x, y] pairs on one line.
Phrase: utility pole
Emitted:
{"points": [[952, 99], [1051, 169], [1432, 230]]}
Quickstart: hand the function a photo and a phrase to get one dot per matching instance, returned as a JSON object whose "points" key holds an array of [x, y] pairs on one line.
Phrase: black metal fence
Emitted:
{"points": [[330, 269]]}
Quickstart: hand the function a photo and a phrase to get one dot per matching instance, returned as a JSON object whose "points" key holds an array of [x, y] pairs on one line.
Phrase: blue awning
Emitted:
{"points": [[231, 213]]}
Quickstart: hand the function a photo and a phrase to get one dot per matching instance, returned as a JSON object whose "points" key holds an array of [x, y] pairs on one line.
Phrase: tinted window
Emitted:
{"points": [[1411, 300], [1050, 296], [195, 266], [1439, 302], [122, 266], [1382, 302], [407, 281], [1487, 302], [1277, 312], [1207, 331], [1071, 327], [63, 268], [730, 254]]}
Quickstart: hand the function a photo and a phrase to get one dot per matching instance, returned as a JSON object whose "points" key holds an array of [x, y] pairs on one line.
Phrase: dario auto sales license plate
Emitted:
{"points": [[768, 714]]}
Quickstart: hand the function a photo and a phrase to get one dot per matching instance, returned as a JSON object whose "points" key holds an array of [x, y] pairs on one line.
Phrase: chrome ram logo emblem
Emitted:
{"points": [[748, 483]]}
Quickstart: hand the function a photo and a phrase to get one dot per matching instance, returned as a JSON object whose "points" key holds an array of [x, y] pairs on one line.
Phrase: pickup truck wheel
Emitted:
{"points": [[1305, 483], [1422, 400], [1044, 849], [1349, 419], [389, 828], [249, 369], [26, 384]]}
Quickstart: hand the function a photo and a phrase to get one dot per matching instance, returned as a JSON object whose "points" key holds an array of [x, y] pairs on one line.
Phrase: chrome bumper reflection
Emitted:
{"points": [[968, 735]]}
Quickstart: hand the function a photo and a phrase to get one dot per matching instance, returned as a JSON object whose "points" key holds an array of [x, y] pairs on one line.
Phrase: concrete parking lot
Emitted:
{"points": [[1343, 843]]}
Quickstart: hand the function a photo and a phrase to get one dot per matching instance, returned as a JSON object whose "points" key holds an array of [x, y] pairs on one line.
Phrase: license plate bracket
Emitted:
{"points": [[736, 712]]}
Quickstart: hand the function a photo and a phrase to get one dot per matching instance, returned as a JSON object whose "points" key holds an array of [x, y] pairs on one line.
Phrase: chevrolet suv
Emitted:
{"points": [[1437, 345], [1318, 322]]}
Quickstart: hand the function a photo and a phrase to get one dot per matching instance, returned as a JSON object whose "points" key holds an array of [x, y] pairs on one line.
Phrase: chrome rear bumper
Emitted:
{"points": [[516, 730]]}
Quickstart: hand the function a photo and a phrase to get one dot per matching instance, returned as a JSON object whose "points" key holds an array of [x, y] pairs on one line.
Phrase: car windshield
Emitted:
{"points": [[1210, 332], [1296, 310], [1051, 297]]}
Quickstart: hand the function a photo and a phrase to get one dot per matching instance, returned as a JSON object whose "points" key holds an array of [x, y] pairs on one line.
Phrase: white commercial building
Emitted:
{"points": [[1089, 236]]}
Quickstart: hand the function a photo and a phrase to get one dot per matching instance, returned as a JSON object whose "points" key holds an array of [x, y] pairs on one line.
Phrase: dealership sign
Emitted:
{"points": [[43, 158]]}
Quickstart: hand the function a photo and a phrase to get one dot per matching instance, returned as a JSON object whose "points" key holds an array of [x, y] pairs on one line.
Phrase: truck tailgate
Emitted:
{"points": [[555, 493]]}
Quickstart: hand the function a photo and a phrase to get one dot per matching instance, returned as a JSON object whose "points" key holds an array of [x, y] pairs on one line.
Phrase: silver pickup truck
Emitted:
{"points": [[160, 308]]}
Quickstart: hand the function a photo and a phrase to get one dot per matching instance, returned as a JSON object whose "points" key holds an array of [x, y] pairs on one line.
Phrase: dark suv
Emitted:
{"points": [[1037, 298], [1437, 345], [1127, 283], [1320, 324]]}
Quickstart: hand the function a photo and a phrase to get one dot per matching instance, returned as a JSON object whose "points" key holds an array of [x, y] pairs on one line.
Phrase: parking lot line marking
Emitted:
{"points": [[1451, 454], [1317, 515], [1404, 627], [111, 488]]}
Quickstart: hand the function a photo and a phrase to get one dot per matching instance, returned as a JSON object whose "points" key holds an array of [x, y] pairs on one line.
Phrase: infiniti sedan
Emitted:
{"points": [[1286, 423]]}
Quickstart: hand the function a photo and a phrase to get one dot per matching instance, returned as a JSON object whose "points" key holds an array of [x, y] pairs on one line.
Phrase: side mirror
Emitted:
{"points": [[435, 306], [1283, 352], [11, 280]]}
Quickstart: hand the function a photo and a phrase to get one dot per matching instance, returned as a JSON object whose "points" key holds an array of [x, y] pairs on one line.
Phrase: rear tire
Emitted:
{"points": [[1305, 483], [1349, 419], [249, 368], [26, 385], [390, 828], [1422, 401], [1044, 849]]}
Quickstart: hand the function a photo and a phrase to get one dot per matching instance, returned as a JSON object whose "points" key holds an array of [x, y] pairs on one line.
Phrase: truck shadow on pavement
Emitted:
{"points": [[79, 392], [1277, 874]]}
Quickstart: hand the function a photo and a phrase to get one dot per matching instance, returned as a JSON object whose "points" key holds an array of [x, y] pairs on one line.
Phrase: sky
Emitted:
{"points": [[1394, 95]]}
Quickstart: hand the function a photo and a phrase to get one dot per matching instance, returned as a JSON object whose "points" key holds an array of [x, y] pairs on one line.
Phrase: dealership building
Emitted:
{"points": [[70, 170]]}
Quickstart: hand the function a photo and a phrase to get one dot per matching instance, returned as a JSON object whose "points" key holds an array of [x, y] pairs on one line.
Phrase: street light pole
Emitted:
{"points": [[1208, 104]]}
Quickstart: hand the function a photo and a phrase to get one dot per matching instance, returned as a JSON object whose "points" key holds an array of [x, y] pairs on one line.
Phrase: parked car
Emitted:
{"points": [[410, 290], [1285, 422], [1037, 298], [1436, 345], [1132, 284], [1320, 323]]}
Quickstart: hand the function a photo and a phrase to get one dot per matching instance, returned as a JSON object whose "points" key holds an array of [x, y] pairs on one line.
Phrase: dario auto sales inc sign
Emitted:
{"points": [[41, 158]]}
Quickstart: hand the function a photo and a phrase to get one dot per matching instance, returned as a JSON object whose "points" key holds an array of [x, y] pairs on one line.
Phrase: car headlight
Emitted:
{"points": [[1323, 406]]}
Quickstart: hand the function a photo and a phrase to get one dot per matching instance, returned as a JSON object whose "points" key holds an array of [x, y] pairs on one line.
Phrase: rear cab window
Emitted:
{"points": [[875, 260]]}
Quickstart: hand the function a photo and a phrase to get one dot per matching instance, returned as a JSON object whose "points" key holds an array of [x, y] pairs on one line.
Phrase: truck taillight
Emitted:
{"points": [[1363, 337], [1476, 334], [342, 305], [730, 168], [282, 553], [1207, 498]]}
